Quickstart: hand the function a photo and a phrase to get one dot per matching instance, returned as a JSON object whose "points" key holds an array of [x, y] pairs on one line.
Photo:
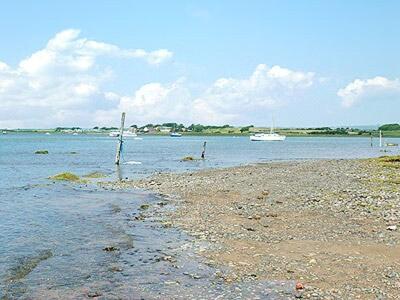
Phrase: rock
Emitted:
{"points": [[94, 294], [299, 286], [144, 206], [392, 227], [272, 215], [95, 175], [110, 249], [66, 176], [42, 152], [187, 158]]}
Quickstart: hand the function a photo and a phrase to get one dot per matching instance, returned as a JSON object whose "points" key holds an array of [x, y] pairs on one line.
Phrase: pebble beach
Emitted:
{"points": [[331, 226]]}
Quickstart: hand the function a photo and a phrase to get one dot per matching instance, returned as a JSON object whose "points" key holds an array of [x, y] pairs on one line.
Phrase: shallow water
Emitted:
{"points": [[53, 234]]}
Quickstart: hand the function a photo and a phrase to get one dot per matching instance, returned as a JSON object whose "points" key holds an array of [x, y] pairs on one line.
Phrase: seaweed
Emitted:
{"points": [[188, 158], [41, 152], [95, 175], [66, 176]]}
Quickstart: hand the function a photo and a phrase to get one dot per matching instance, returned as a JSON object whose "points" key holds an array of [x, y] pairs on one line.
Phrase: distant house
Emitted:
{"points": [[148, 129], [165, 129], [353, 132]]}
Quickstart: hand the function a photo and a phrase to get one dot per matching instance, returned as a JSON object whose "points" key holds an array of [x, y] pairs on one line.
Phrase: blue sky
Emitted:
{"points": [[308, 63]]}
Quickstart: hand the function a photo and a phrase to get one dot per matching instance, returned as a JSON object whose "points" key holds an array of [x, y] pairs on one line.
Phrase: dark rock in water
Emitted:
{"points": [[27, 264], [94, 294], [110, 249], [144, 206], [42, 152], [188, 158], [65, 176], [115, 208]]}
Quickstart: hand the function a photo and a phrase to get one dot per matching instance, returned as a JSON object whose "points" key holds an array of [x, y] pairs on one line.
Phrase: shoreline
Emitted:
{"points": [[329, 224], [106, 134]]}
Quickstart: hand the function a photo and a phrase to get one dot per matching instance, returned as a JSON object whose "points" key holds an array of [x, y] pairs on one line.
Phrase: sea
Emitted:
{"points": [[55, 236]]}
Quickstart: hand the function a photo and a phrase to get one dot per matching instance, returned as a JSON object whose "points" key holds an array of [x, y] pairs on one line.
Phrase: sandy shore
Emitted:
{"points": [[331, 225]]}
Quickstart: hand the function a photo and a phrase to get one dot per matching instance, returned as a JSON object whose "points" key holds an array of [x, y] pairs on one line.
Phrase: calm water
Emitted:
{"points": [[52, 234]]}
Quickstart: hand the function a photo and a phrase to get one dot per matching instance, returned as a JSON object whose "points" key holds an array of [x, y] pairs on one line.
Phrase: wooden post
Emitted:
{"points": [[203, 153], [371, 139], [120, 141], [380, 138]]}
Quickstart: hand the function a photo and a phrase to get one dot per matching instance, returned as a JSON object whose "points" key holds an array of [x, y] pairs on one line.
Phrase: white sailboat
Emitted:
{"points": [[271, 136], [125, 134]]}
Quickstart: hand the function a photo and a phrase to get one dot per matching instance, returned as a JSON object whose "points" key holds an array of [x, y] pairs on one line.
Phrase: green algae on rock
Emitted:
{"points": [[187, 158], [95, 175], [66, 176], [390, 161], [144, 206], [42, 152]]}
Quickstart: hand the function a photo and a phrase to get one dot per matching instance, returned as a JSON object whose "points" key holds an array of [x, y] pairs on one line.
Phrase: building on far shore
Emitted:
{"points": [[165, 129]]}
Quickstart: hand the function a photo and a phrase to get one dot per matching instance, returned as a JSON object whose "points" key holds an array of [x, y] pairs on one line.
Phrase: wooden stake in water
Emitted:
{"points": [[120, 141], [203, 153], [380, 138]]}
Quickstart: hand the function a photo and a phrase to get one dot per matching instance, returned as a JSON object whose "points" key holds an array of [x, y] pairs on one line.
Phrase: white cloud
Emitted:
{"points": [[226, 100], [377, 87], [63, 85], [66, 50], [237, 100], [61, 80]]}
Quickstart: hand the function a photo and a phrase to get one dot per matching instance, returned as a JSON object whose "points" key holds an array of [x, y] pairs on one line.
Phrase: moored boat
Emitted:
{"points": [[175, 134], [271, 136], [125, 134], [267, 137]]}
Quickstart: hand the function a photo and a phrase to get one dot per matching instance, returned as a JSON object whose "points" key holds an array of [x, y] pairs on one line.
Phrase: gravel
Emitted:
{"points": [[331, 225]]}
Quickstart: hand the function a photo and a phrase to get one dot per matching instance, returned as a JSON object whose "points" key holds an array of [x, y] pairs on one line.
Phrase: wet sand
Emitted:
{"points": [[331, 225]]}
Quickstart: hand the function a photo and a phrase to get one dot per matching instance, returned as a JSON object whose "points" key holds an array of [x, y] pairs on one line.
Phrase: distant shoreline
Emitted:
{"points": [[288, 134]]}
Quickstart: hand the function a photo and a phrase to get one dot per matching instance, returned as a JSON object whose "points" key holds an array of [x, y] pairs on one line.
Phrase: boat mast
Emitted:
{"points": [[272, 127]]}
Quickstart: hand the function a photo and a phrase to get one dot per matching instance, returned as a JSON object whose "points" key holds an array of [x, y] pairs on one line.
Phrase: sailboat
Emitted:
{"points": [[271, 136], [125, 134], [173, 133]]}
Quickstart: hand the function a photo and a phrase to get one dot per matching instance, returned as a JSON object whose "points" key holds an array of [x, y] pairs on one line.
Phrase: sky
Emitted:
{"points": [[303, 63]]}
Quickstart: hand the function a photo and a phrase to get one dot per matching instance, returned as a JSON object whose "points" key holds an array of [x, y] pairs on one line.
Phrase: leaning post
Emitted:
{"points": [[203, 153], [120, 141], [370, 135]]}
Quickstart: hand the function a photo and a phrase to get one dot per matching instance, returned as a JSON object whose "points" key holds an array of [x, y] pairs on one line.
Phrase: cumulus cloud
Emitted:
{"points": [[66, 50], [377, 87], [232, 99], [226, 100], [63, 84], [60, 81]]}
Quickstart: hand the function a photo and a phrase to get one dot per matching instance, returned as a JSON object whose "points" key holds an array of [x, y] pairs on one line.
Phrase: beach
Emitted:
{"points": [[248, 222], [329, 225]]}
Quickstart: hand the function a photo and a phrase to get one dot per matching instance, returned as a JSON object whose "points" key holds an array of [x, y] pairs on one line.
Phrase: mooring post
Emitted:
{"points": [[370, 135], [380, 138], [203, 153], [120, 141]]}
